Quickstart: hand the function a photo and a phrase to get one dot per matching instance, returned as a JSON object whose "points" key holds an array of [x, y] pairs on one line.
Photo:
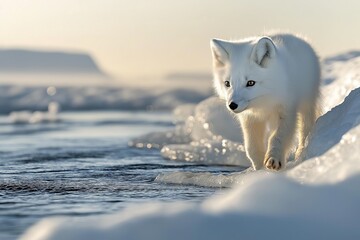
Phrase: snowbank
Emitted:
{"points": [[314, 199], [330, 128], [341, 75]]}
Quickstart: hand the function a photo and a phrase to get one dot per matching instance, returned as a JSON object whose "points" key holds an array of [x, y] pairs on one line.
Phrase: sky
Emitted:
{"points": [[144, 39]]}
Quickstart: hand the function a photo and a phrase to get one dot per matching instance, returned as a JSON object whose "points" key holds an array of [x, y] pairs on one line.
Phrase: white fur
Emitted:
{"points": [[282, 101]]}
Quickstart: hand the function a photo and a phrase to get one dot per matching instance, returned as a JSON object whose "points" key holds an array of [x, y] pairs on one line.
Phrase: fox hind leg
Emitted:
{"points": [[306, 120]]}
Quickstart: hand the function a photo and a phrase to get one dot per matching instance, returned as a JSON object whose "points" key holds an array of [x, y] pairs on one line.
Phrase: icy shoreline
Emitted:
{"points": [[315, 199]]}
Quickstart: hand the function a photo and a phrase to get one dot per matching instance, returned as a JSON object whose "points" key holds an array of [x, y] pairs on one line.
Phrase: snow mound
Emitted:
{"points": [[339, 163], [330, 128]]}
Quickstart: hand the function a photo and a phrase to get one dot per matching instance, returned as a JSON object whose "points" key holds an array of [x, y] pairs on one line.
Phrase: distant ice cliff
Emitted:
{"points": [[33, 61]]}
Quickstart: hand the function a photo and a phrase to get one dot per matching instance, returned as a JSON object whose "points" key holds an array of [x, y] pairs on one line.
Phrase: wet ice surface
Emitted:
{"points": [[82, 166]]}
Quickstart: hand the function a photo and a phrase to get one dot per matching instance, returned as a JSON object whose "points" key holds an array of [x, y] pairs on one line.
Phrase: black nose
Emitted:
{"points": [[233, 106]]}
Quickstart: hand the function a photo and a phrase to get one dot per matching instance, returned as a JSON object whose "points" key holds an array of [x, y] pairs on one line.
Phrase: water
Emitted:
{"points": [[82, 166]]}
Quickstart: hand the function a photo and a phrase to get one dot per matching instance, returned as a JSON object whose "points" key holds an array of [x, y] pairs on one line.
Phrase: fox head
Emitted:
{"points": [[246, 73]]}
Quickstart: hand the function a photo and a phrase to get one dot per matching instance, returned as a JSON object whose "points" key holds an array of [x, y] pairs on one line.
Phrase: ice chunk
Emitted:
{"points": [[207, 133], [203, 179], [205, 151], [181, 133], [213, 121], [159, 139], [25, 117], [182, 112], [20, 117]]}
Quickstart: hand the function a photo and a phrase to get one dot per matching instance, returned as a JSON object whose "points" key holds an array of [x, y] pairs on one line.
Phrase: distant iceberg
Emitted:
{"points": [[36, 61]]}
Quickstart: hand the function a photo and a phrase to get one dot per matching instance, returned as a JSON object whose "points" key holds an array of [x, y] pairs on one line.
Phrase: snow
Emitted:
{"points": [[314, 199], [337, 164], [331, 127], [341, 75]]}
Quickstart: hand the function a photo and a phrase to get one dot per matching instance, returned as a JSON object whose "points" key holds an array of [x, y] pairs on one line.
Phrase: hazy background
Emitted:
{"points": [[142, 40]]}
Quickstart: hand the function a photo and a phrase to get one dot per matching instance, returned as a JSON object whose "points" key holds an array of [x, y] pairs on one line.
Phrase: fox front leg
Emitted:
{"points": [[280, 139], [254, 133]]}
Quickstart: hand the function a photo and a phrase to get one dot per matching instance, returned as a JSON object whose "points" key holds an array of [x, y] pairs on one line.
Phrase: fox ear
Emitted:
{"points": [[263, 51], [219, 52]]}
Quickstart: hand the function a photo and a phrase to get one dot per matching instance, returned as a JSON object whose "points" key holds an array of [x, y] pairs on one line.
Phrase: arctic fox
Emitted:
{"points": [[271, 83]]}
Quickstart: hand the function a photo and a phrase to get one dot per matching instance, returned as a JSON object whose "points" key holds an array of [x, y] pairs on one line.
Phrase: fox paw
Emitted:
{"points": [[272, 163]]}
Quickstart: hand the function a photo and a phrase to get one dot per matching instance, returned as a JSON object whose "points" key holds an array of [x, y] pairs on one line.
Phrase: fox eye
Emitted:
{"points": [[250, 83], [227, 84]]}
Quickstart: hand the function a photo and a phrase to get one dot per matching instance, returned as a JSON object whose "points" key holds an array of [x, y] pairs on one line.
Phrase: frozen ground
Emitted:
{"points": [[314, 199]]}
